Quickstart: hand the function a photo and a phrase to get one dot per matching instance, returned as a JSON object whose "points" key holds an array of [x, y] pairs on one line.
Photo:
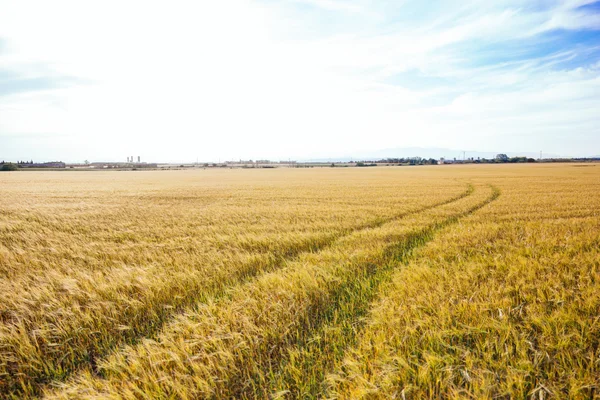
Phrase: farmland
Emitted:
{"points": [[399, 282]]}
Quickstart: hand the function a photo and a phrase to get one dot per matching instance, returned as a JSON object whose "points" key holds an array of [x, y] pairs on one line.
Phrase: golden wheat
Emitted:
{"points": [[300, 283], [505, 304]]}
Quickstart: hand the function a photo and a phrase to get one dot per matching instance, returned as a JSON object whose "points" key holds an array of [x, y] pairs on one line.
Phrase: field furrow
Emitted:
{"points": [[501, 305], [78, 316], [232, 347], [303, 367]]}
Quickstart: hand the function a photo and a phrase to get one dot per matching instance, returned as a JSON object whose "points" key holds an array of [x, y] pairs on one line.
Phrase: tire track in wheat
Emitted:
{"points": [[229, 346], [56, 359], [302, 370]]}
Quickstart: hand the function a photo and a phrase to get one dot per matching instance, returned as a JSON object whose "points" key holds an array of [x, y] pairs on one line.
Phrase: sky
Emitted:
{"points": [[176, 81]]}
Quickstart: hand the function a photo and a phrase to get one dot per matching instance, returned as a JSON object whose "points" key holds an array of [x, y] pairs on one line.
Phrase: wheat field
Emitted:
{"points": [[390, 282]]}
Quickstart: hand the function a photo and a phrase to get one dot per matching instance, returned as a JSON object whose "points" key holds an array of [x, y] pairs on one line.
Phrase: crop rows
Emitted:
{"points": [[231, 348], [504, 304], [118, 292], [381, 283]]}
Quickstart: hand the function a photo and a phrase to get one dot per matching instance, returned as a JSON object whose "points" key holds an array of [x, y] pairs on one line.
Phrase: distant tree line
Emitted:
{"points": [[405, 161], [8, 166], [500, 158], [503, 158]]}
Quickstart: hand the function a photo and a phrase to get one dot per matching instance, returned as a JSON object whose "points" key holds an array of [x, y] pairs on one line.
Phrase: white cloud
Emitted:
{"points": [[334, 5], [243, 78]]}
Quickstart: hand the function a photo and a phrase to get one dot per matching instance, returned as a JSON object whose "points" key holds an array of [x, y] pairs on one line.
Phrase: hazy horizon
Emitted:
{"points": [[296, 79], [381, 154]]}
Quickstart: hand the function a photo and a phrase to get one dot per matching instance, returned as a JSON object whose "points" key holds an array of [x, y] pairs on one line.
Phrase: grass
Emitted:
{"points": [[372, 283]]}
